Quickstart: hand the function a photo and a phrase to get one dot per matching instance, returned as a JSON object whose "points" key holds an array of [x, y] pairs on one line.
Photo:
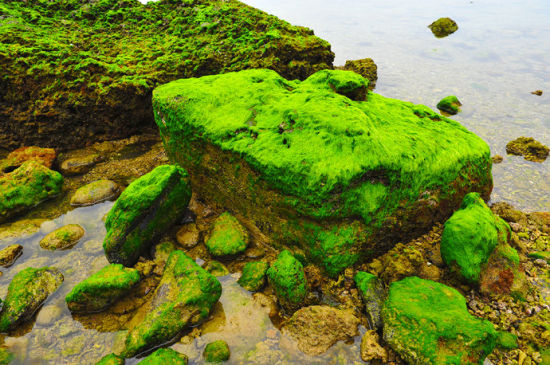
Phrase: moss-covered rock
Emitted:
{"points": [[78, 165], [89, 67], [63, 238], [544, 255], [216, 268], [111, 359], [101, 289], [44, 156], [27, 291], [216, 352], [529, 148], [426, 322], [143, 211], [307, 165], [228, 237], [164, 357], [27, 186], [288, 279], [184, 297], [372, 292], [253, 277], [442, 27], [364, 67], [5, 356], [449, 104], [95, 192], [9, 254]]}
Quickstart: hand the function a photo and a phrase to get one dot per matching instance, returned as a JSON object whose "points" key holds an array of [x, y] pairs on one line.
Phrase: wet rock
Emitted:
{"points": [[165, 357], [364, 67], [371, 349], [509, 214], [228, 237], [6, 356], [253, 277], [216, 268], [162, 252], [542, 220], [79, 165], [497, 159], [43, 156], [529, 148], [143, 211], [184, 297], [373, 295], [426, 322], [442, 27], [541, 255], [27, 186], [288, 279], [102, 289], [95, 192], [537, 92], [254, 253], [9, 254], [111, 359], [317, 328], [21, 228], [450, 105], [188, 236], [267, 303], [48, 315], [27, 291], [216, 352], [63, 238]]}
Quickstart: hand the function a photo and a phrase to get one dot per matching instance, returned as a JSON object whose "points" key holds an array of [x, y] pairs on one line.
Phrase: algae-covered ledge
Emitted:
{"points": [[314, 170]]}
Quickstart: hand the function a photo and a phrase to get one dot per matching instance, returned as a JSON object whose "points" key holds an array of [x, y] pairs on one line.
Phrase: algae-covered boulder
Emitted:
{"points": [[102, 289], [253, 277], [372, 292], [111, 359], [95, 192], [309, 166], [164, 357], [27, 186], [63, 238], [216, 352], [184, 297], [89, 66], [529, 148], [442, 27], [426, 322], [9, 254], [228, 237], [143, 211], [27, 291], [287, 277], [449, 104]]}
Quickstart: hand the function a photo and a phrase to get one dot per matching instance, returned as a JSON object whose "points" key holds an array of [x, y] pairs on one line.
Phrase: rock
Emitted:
{"points": [[43, 156], [364, 67], [449, 104], [188, 236], [371, 349], [79, 165], [111, 359], [216, 352], [507, 340], [95, 192], [63, 238], [48, 315], [143, 211], [21, 228], [543, 255], [288, 279], [497, 159], [317, 328], [537, 92], [442, 27], [253, 277], [542, 220], [27, 291], [509, 214], [102, 289], [228, 237], [216, 268], [529, 148], [9, 254], [161, 253], [426, 322], [26, 187], [184, 297], [164, 357], [6, 356], [373, 295], [373, 185]]}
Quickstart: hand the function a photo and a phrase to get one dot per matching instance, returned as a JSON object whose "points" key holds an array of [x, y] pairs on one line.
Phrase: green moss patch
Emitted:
{"points": [[253, 277], [111, 359], [288, 279], [372, 292], [163, 357], [442, 27], [216, 352], [450, 105], [228, 237]]}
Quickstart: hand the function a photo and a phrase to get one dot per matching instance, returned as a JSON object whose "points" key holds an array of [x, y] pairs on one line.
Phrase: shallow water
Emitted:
{"points": [[500, 53]]}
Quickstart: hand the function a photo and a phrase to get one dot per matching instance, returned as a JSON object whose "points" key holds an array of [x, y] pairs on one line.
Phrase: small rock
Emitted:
{"points": [[497, 159], [216, 352], [373, 295], [216, 268], [9, 254], [48, 315], [165, 356], [254, 253], [253, 277], [371, 349], [442, 27], [79, 165], [95, 192], [529, 148], [63, 238], [450, 105], [43, 156], [364, 67], [228, 237], [537, 92], [188, 236], [288, 279]]}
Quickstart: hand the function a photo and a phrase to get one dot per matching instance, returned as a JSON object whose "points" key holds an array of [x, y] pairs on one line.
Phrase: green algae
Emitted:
{"points": [[228, 237], [143, 211], [216, 268], [529, 148], [449, 104], [165, 356], [426, 322], [95, 192], [288, 279], [543, 255], [442, 27], [62, 238], [216, 352], [253, 277], [372, 292], [111, 359], [5, 356], [507, 340], [102, 288]]}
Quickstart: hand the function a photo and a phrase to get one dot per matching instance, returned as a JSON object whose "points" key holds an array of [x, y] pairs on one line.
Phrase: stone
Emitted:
{"points": [[48, 315], [364, 67], [286, 276], [79, 165], [216, 268], [449, 104], [9, 254], [317, 328], [27, 291], [543, 255], [27, 186], [537, 92], [497, 159], [216, 352], [371, 350], [63, 238], [165, 357], [183, 298], [147, 207], [442, 27], [529, 148], [426, 322], [102, 289], [188, 236], [21, 228], [44, 156], [372, 292], [111, 359], [95, 192], [228, 237], [253, 277], [341, 185]]}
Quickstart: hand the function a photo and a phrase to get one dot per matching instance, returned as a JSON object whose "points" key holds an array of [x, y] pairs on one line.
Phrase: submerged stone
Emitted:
{"points": [[9, 254], [43, 156], [449, 104], [529, 148], [111, 359], [253, 277], [165, 357], [101, 289], [27, 291], [147, 207], [228, 237], [216, 268], [184, 297], [288, 279], [63, 238], [79, 165], [26, 187], [426, 322], [188, 236], [216, 352], [95, 192], [372, 292], [442, 27], [307, 165]]}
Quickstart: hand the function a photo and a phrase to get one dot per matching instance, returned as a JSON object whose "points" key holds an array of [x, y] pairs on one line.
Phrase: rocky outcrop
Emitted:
{"points": [[44, 156]]}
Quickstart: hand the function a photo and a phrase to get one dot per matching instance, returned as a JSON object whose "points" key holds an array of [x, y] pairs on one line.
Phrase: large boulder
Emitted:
{"points": [[147, 207], [89, 66], [184, 297], [426, 322], [308, 165], [27, 186]]}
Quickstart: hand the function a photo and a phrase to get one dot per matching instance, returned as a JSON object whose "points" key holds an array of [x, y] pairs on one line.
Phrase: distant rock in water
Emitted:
{"points": [[537, 92], [63, 238], [529, 148], [497, 159], [364, 67], [442, 27], [450, 105], [9, 254], [95, 192], [216, 352], [98, 86]]}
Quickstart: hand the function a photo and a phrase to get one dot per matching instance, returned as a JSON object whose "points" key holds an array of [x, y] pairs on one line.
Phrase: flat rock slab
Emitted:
{"points": [[305, 162]]}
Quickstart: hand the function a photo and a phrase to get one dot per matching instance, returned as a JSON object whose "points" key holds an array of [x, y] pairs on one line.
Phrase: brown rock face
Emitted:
{"points": [[44, 156]]}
